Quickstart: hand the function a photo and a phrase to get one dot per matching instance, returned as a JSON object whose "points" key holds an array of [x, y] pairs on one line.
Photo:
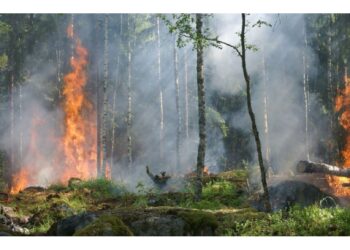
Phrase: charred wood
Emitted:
{"points": [[314, 167]]}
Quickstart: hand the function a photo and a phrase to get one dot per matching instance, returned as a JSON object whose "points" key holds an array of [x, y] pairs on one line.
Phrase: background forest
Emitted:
{"points": [[92, 105], [298, 66]]}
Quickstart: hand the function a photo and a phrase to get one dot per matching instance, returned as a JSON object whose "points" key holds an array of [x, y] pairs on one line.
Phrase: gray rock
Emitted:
{"points": [[7, 211], [69, 225], [165, 225], [5, 234], [20, 230], [289, 193]]}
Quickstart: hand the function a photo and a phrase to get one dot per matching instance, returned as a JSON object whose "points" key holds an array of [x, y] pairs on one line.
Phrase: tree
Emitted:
{"points": [[241, 50], [266, 115], [242, 55], [177, 101], [190, 29], [129, 112], [306, 94], [105, 104], [113, 116], [201, 107], [186, 94], [98, 98], [161, 109]]}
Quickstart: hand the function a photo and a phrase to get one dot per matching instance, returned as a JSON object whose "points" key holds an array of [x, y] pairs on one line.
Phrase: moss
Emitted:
{"points": [[197, 221], [58, 187], [239, 174], [106, 225]]}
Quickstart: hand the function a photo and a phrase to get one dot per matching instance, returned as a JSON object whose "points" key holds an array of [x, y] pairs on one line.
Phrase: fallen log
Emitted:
{"points": [[315, 167]]}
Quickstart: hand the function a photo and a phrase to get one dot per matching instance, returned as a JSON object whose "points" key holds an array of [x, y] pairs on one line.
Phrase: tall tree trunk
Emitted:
{"points": [[201, 110], [161, 110], [252, 118], [98, 102], [114, 112], [266, 116], [177, 103], [186, 93], [330, 89], [105, 103], [58, 60], [12, 120], [72, 44], [306, 95], [129, 114], [20, 155]]}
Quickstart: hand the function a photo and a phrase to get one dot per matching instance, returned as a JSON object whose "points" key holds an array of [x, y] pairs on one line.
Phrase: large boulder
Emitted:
{"points": [[289, 193], [70, 225], [57, 211], [165, 221], [158, 225], [105, 225]]}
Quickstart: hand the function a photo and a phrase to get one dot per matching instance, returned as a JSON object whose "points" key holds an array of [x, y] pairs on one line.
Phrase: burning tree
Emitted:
{"points": [[77, 145]]}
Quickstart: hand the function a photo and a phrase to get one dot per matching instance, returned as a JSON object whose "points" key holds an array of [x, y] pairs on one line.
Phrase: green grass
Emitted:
{"points": [[217, 195], [309, 221], [101, 188]]}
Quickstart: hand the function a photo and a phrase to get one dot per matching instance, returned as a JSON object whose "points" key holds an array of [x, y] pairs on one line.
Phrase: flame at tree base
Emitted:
{"points": [[20, 181], [75, 153], [342, 104], [79, 140]]}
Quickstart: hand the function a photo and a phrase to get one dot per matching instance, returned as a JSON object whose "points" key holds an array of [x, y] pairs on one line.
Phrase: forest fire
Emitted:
{"points": [[76, 152], [342, 104], [79, 140], [20, 181]]}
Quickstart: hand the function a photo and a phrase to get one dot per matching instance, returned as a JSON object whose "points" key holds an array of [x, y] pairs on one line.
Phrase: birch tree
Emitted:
{"points": [[160, 86], [105, 103], [177, 103]]}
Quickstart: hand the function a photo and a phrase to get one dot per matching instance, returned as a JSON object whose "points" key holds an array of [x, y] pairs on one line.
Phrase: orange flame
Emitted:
{"points": [[70, 31], [342, 104], [25, 175], [79, 140], [76, 154], [20, 181]]}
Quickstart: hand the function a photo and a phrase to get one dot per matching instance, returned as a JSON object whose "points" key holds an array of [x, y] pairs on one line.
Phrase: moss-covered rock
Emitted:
{"points": [[199, 222], [105, 225], [70, 225]]}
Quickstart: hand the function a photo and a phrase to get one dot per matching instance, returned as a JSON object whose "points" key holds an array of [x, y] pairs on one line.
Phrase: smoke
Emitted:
{"points": [[281, 47]]}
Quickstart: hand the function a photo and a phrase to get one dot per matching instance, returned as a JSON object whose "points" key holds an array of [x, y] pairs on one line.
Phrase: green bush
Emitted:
{"points": [[309, 221], [216, 195], [101, 188]]}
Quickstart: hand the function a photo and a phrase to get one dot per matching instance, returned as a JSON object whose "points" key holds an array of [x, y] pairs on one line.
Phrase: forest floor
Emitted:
{"points": [[101, 207]]}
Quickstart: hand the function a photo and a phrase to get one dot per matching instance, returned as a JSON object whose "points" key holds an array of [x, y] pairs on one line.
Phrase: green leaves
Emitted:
{"points": [[3, 61], [215, 120], [4, 28], [184, 25], [261, 23]]}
